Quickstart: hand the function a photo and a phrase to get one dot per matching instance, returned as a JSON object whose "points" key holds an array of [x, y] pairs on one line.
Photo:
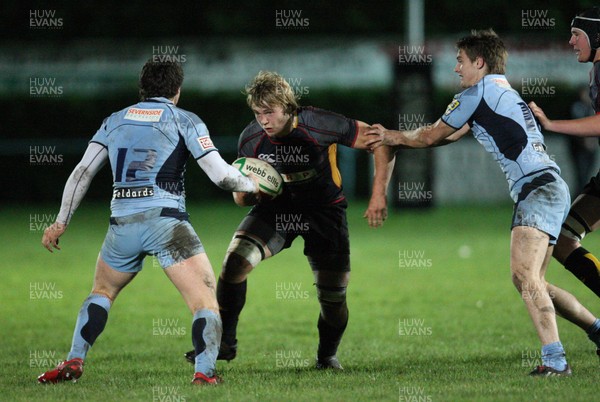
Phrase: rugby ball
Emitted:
{"points": [[270, 181]]}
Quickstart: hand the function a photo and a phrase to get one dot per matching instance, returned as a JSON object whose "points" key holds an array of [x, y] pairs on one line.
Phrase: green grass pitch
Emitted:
{"points": [[433, 316]]}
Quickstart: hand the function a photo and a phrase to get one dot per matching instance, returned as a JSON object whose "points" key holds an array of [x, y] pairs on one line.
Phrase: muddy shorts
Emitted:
{"points": [[161, 232], [541, 201]]}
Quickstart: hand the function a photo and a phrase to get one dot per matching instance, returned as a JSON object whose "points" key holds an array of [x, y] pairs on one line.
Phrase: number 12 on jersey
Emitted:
{"points": [[137, 165]]}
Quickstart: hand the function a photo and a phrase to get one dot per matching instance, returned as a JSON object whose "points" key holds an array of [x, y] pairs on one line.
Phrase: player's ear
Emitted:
{"points": [[480, 63]]}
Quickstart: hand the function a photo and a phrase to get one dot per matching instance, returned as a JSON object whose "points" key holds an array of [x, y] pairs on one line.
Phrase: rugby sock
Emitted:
{"points": [[332, 324], [231, 298], [594, 332], [90, 324], [206, 337], [586, 267], [553, 355]]}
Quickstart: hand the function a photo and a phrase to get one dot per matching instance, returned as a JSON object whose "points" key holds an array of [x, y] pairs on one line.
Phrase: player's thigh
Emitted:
{"points": [[109, 281], [588, 208], [195, 280], [326, 236], [327, 246], [583, 218], [565, 245], [181, 254], [170, 240], [529, 252], [542, 202]]}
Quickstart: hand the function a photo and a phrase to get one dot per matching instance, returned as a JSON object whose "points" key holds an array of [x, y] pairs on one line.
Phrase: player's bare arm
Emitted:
{"points": [[77, 185], [377, 212], [385, 158], [361, 137], [584, 127], [423, 137]]}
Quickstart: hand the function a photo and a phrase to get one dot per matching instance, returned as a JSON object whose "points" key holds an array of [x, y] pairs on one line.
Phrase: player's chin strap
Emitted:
{"points": [[591, 28]]}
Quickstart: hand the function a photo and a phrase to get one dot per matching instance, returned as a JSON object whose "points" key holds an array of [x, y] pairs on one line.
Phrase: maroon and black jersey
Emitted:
{"points": [[306, 157]]}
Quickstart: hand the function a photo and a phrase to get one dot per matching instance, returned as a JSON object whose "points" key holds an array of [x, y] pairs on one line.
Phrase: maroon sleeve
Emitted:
{"points": [[328, 127]]}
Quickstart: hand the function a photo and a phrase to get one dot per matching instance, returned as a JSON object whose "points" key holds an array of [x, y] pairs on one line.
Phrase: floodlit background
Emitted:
{"points": [[65, 67]]}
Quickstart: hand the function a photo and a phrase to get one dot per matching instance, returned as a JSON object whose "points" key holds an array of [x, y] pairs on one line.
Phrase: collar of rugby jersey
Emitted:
{"points": [[158, 99]]}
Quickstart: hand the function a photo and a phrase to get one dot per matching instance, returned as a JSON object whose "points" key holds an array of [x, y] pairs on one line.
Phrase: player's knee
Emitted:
{"points": [[251, 250], [331, 295], [516, 280], [528, 284], [334, 310], [242, 256], [521, 277], [235, 268], [564, 247], [574, 229]]}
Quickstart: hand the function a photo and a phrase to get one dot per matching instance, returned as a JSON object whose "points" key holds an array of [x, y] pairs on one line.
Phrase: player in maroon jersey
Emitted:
{"points": [[300, 142]]}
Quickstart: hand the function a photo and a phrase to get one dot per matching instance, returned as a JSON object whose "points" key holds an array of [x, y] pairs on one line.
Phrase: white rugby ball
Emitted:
{"points": [[270, 181]]}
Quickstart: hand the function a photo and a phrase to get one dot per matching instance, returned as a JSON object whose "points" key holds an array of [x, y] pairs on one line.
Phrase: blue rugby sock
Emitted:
{"points": [[90, 324], [594, 332], [553, 355], [206, 337]]}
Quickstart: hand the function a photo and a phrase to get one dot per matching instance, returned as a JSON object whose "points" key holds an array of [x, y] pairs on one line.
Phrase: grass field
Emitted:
{"points": [[433, 317]]}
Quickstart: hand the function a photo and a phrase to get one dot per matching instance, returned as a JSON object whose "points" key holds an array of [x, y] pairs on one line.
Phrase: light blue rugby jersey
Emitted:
{"points": [[148, 146], [503, 123]]}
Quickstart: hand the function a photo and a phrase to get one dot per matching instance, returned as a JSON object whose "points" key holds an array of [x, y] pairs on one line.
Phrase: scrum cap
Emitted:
{"points": [[589, 22]]}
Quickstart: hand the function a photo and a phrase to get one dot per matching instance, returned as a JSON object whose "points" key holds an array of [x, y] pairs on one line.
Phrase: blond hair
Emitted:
{"points": [[271, 89]]}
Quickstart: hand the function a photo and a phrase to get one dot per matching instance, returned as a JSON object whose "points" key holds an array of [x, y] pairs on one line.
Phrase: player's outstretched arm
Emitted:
{"points": [[377, 212], [77, 185], [584, 127], [422, 137]]}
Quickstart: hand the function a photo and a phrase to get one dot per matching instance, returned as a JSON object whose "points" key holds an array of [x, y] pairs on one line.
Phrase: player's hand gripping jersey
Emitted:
{"points": [[503, 123], [149, 144], [306, 157]]}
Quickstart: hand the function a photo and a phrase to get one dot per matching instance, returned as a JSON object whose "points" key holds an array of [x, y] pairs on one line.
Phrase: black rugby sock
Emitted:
{"points": [[231, 298], [586, 267], [330, 335]]}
